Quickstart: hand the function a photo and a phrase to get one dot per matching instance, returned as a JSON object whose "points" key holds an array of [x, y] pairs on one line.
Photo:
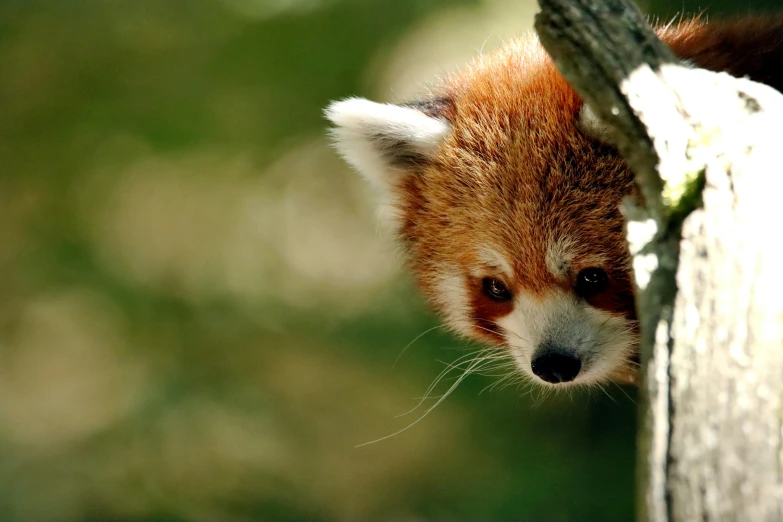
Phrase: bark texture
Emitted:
{"points": [[704, 147], [727, 363]]}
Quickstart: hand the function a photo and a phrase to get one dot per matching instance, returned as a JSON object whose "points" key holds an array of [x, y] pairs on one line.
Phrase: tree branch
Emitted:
{"points": [[679, 129]]}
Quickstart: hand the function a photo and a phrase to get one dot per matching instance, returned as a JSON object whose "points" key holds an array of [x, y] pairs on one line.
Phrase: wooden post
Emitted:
{"points": [[707, 151]]}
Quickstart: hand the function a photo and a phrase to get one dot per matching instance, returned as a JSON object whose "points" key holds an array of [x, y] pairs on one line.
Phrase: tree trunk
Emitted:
{"points": [[710, 292]]}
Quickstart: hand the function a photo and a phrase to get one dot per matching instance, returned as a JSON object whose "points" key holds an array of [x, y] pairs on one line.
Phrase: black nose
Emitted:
{"points": [[556, 367]]}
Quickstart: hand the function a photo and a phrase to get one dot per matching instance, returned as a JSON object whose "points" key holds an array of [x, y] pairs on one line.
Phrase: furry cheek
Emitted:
{"points": [[451, 297]]}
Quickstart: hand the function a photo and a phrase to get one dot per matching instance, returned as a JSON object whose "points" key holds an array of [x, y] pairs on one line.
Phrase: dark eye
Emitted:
{"points": [[591, 281], [496, 289]]}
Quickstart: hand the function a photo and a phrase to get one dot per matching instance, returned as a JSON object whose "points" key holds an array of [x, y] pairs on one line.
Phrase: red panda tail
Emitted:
{"points": [[751, 46]]}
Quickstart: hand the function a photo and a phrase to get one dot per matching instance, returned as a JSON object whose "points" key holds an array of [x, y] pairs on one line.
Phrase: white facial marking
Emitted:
{"points": [[558, 257], [493, 260], [600, 340], [453, 299]]}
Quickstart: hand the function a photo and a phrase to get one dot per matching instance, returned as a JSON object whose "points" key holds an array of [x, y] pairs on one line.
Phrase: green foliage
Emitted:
{"points": [[178, 341]]}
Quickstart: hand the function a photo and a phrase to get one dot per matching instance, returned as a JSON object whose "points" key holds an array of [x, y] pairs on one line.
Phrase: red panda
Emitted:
{"points": [[507, 198]]}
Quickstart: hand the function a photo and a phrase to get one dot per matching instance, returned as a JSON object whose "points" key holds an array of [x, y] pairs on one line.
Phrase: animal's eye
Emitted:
{"points": [[496, 289], [591, 281]]}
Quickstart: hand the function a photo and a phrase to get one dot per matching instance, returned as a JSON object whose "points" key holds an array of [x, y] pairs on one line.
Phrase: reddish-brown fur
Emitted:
{"points": [[751, 47], [504, 193], [517, 172]]}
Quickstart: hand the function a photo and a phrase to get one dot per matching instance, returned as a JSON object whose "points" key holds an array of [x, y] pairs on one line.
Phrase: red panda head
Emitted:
{"points": [[510, 212]]}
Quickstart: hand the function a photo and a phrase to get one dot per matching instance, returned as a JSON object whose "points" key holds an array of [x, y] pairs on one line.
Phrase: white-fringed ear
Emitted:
{"points": [[384, 141]]}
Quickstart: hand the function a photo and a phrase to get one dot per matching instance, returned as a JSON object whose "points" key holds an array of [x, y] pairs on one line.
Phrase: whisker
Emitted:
{"points": [[425, 332], [477, 360], [437, 380], [429, 410], [601, 387], [624, 392], [501, 383]]}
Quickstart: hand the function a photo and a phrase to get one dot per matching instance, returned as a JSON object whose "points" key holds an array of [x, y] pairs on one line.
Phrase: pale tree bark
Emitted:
{"points": [[707, 150]]}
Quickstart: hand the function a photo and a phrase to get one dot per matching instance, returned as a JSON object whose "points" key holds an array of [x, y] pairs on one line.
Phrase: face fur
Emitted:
{"points": [[509, 208]]}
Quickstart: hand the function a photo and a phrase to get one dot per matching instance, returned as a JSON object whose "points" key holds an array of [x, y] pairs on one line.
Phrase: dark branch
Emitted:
{"points": [[597, 45]]}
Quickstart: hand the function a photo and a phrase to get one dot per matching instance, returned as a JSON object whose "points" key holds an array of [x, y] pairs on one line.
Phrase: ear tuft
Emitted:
{"points": [[383, 140], [593, 126]]}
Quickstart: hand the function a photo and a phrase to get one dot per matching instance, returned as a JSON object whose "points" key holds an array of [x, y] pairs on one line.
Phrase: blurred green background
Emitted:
{"points": [[198, 317]]}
